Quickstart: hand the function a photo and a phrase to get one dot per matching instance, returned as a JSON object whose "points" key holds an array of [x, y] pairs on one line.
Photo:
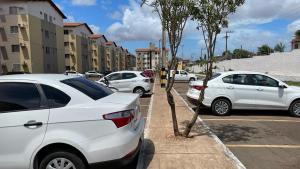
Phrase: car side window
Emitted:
{"points": [[19, 97], [128, 75], [239, 79], [177, 72], [115, 76], [227, 79], [55, 97], [262, 80]]}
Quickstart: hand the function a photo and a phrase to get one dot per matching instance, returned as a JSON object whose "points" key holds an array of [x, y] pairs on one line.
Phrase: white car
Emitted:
{"points": [[93, 73], [129, 81], [246, 90], [73, 73], [57, 121], [182, 75]]}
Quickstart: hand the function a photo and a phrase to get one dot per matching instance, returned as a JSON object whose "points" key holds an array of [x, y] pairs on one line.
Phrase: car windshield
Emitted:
{"points": [[89, 88]]}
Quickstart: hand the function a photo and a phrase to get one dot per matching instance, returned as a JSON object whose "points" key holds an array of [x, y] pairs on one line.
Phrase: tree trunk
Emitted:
{"points": [[173, 112]]}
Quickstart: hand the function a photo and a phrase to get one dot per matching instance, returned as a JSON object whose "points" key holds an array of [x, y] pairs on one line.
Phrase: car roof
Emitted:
{"points": [[127, 71], [45, 78], [240, 72]]}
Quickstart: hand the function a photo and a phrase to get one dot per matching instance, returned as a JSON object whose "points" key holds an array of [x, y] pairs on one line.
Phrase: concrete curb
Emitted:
{"points": [[227, 152], [140, 164]]}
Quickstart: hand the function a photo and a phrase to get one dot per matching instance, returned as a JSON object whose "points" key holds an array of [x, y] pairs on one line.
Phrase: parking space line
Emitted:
{"points": [[254, 120], [262, 146]]}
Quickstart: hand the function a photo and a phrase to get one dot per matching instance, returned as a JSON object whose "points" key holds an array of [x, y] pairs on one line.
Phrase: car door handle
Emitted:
{"points": [[33, 124], [259, 89], [230, 87]]}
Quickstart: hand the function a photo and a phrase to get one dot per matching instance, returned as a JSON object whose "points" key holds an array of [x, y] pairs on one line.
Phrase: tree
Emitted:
{"points": [[297, 33], [279, 47], [173, 15], [212, 16], [241, 53], [264, 50]]}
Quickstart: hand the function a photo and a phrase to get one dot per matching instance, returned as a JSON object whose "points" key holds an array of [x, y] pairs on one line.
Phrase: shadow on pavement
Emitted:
{"points": [[233, 133], [148, 152], [147, 95]]}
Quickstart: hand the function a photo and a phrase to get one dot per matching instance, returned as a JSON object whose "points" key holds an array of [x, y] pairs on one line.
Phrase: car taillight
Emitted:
{"points": [[120, 118], [199, 87], [146, 80]]}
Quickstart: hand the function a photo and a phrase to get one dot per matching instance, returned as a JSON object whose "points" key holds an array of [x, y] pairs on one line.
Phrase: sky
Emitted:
{"points": [[255, 23]]}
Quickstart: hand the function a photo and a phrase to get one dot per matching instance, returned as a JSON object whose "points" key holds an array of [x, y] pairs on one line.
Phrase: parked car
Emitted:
{"points": [[129, 81], [58, 121], [246, 90], [149, 73], [182, 75], [93, 73], [73, 73]]}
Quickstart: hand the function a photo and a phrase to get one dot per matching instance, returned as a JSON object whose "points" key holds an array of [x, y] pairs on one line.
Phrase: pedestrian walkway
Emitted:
{"points": [[162, 150]]}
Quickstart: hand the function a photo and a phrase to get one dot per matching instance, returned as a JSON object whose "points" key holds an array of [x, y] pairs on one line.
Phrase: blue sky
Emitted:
{"points": [[257, 22]]}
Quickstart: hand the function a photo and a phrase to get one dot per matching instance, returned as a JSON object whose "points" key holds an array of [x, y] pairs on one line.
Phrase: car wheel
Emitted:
{"points": [[221, 107], [62, 160], [192, 79], [295, 108], [139, 90]]}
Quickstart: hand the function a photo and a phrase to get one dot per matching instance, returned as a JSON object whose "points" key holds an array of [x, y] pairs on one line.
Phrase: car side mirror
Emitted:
{"points": [[282, 86]]}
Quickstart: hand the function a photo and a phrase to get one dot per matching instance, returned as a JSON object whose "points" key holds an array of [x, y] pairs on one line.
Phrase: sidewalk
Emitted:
{"points": [[162, 150]]}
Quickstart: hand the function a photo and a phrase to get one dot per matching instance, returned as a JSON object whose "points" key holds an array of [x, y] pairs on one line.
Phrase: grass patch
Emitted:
{"points": [[293, 83]]}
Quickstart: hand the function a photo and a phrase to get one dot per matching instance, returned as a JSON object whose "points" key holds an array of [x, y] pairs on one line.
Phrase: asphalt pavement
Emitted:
{"points": [[259, 139]]}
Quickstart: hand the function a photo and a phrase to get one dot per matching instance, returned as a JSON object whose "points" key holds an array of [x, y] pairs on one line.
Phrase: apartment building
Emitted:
{"points": [[148, 58], [31, 36], [130, 61], [110, 52], [98, 52], [78, 54]]}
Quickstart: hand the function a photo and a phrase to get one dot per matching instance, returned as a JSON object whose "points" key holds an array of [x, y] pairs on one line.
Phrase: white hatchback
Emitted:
{"points": [[246, 90], [129, 81], [58, 121]]}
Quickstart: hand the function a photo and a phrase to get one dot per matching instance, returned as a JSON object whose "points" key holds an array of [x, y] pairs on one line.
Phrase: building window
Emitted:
{"points": [[47, 34], [67, 56], [14, 29], [50, 19], [2, 18], [15, 48], [41, 12], [13, 10], [47, 50], [66, 44], [3, 52], [45, 17], [66, 32], [296, 46]]}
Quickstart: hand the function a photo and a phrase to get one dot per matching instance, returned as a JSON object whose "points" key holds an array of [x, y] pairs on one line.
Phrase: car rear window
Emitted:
{"points": [[89, 88], [215, 75]]}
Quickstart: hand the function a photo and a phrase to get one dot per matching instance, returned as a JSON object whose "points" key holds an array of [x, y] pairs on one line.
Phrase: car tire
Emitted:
{"points": [[295, 108], [192, 79], [58, 157], [221, 107], [139, 90]]}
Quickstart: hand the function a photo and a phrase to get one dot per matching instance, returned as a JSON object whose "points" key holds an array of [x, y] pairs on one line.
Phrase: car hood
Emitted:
{"points": [[196, 83], [295, 88]]}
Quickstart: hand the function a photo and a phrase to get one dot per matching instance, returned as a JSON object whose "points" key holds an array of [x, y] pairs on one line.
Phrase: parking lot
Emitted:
{"points": [[259, 139]]}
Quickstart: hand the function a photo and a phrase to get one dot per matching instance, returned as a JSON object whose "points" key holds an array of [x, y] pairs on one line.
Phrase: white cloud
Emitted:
{"points": [[95, 29], [259, 12], [294, 26], [137, 24], [83, 2], [70, 18], [117, 15]]}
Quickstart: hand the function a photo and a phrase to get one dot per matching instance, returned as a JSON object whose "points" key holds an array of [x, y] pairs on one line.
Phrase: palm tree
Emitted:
{"points": [[280, 47]]}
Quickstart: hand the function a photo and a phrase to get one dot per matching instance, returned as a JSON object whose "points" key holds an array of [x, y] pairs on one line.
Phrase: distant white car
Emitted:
{"points": [[63, 122], [246, 90], [93, 74], [182, 75], [129, 81], [73, 73]]}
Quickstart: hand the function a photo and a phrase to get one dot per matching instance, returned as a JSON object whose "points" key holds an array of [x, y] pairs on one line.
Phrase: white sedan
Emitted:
{"points": [[58, 121], [128, 81], [246, 90]]}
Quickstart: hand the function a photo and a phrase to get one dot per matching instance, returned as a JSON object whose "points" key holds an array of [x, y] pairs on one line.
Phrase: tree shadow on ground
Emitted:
{"points": [[234, 133], [148, 152], [197, 130]]}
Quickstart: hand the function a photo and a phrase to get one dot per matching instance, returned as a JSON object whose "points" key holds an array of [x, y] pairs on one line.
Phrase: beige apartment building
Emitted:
{"points": [[78, 53], [110, 53], [148, 58], [31, 36], [130, 62], [98, 52]]}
